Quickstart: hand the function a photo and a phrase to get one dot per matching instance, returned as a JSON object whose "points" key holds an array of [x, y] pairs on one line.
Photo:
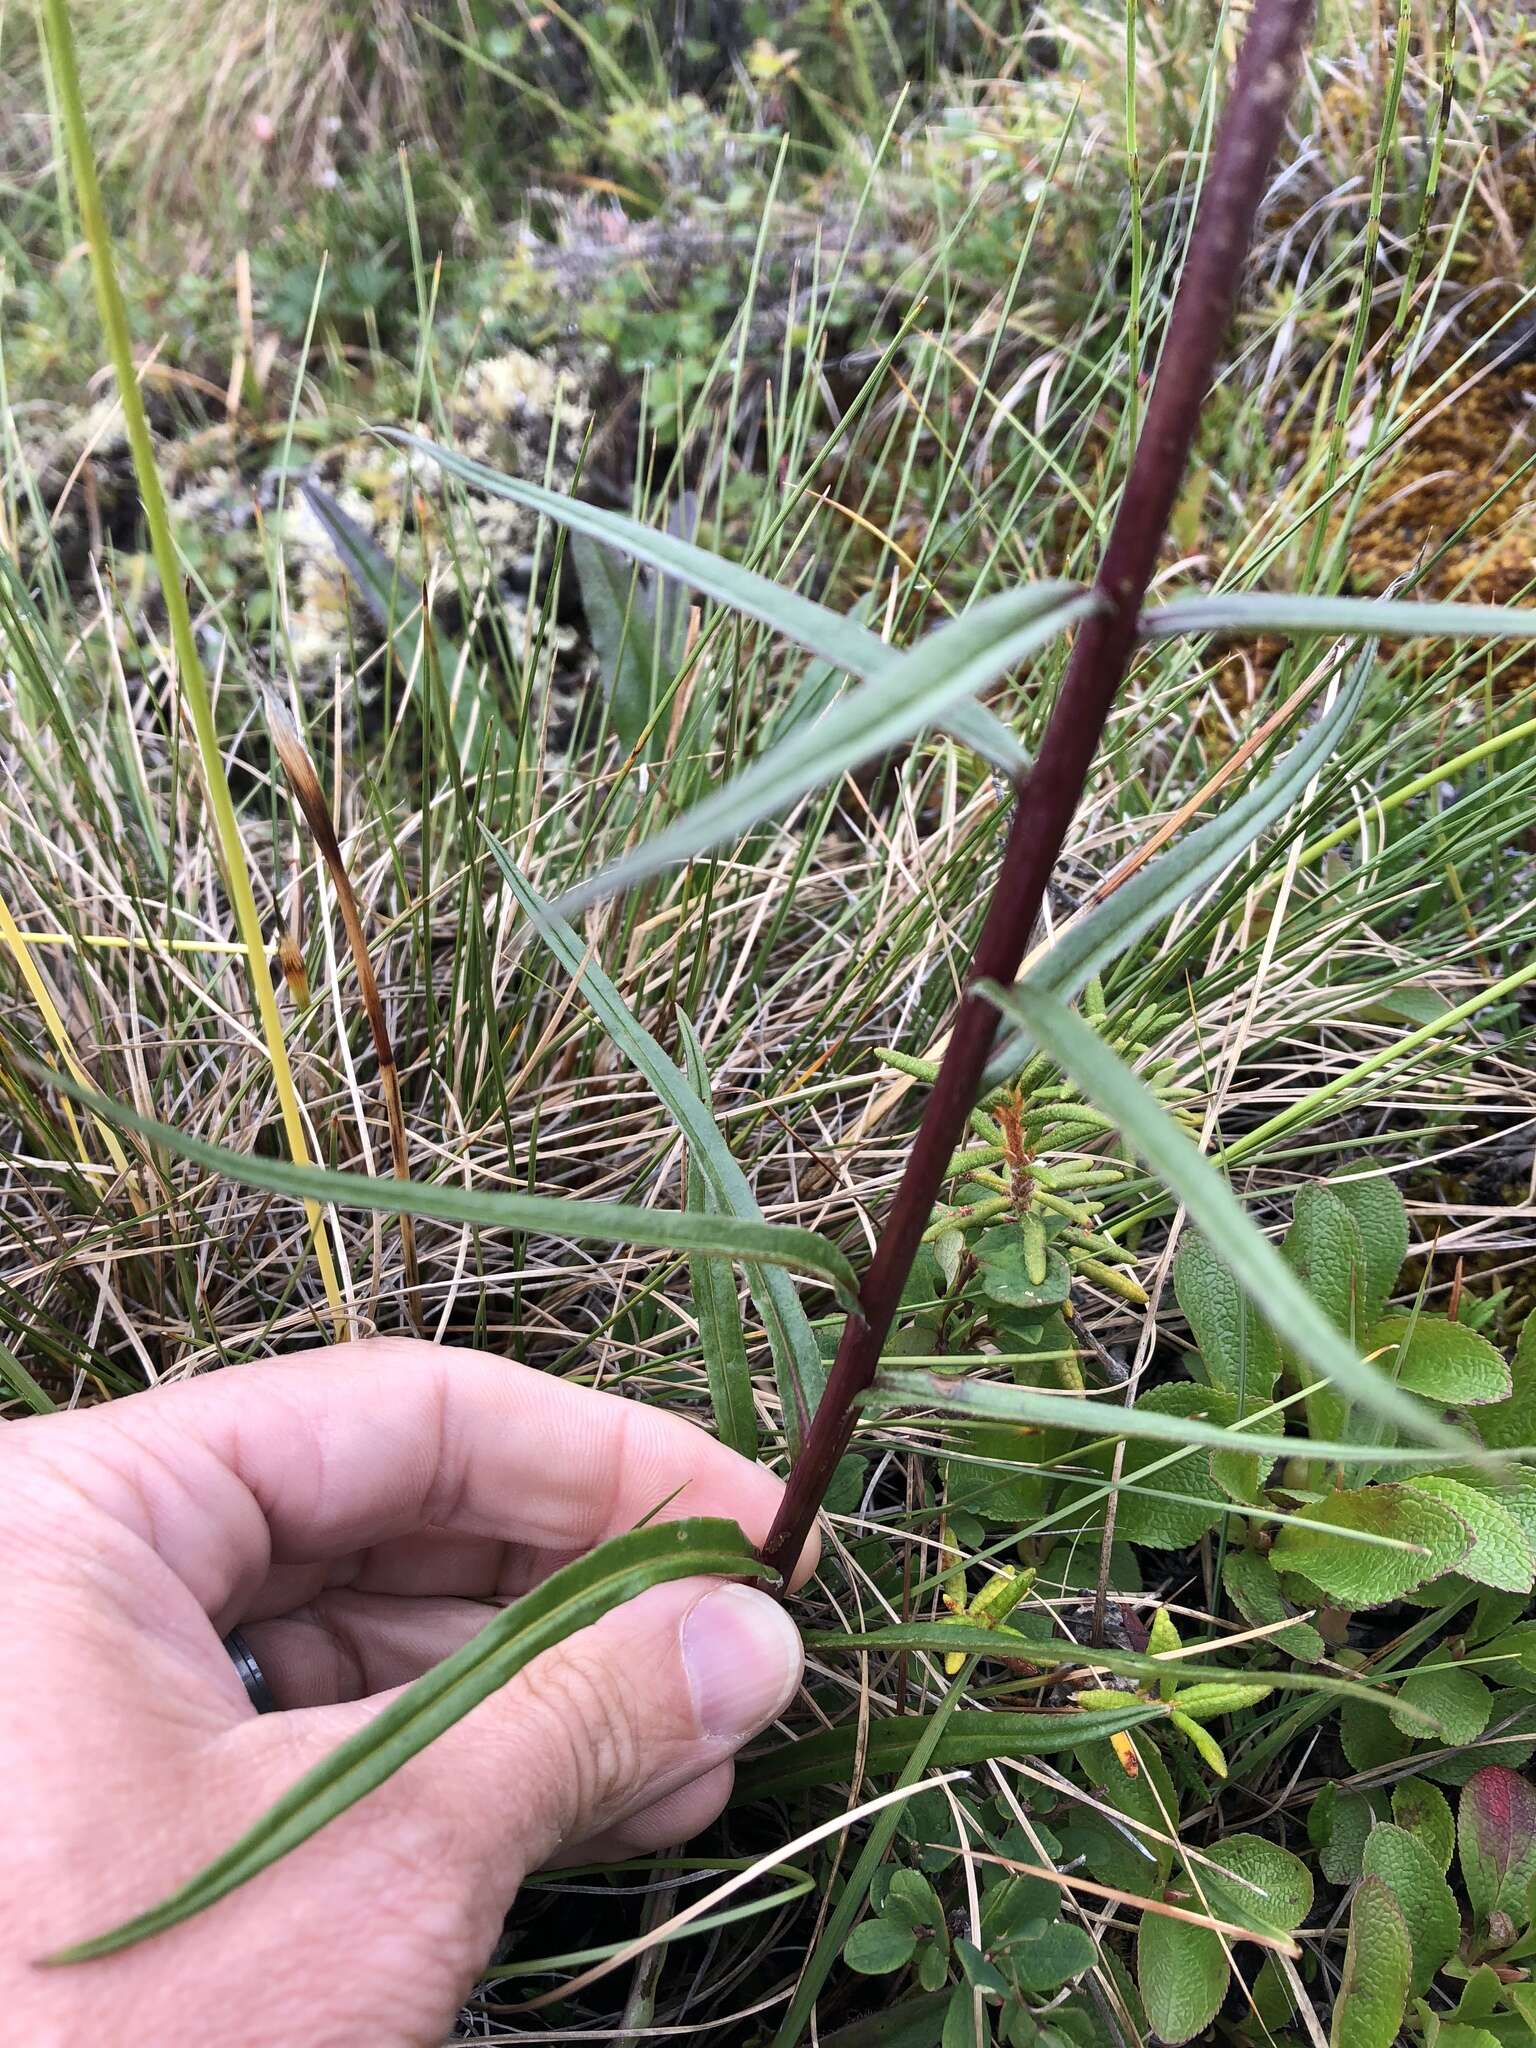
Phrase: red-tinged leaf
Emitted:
{"points": [[1496, 1839]]}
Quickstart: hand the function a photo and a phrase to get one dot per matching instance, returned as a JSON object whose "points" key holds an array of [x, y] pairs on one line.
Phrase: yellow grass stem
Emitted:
{"points": [[58, 1031], [114, 320]]}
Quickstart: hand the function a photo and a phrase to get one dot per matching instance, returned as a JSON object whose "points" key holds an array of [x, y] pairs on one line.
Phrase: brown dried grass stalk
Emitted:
{"points": [[304, 781]]}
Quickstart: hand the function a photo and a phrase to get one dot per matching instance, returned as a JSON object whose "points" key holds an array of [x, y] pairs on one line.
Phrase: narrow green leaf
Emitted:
{"points": [[988, 1400], [1258, 1267], [22, 1384], [971, 1737], [911, 692], [717, 1237], [479, 731], [570, 1599], [798, 1362], [1090, 942], [837, 639], [975, 1640], [636, 657], [1383, 617]]}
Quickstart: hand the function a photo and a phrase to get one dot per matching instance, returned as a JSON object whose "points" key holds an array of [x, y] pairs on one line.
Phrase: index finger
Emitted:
{"points": [[327, 1452]]}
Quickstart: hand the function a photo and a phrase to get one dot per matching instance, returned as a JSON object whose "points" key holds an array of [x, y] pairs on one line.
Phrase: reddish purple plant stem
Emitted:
{"points": [[1202, 310]]}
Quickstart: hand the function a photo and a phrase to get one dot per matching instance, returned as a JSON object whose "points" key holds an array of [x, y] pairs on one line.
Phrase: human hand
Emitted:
{"points": [[351, 1511]]}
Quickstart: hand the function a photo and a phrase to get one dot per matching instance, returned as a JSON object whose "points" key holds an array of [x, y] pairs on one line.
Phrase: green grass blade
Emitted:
{"points": [[837, 639], [722, 1338], [1088, 945], [1390, 618], [478, 729], [802, 1375], [22, 1385], [908, 695], [570, 1599], [993, 1401], [1254, 1262], [798, 1366], [718, 1237]]}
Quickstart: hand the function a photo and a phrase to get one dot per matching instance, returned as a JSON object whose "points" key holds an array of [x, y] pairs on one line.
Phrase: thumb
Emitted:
{"points": [[655, 1695]]}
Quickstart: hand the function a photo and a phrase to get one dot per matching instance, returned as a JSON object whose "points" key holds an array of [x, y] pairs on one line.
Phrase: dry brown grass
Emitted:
{"points": [[246, 105]]}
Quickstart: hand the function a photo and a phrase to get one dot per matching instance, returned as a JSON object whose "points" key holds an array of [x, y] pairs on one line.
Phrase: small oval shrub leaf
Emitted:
{"points": [[1182, 1973], [1496, 1841], [1378, 1968], [1319, 1543]]}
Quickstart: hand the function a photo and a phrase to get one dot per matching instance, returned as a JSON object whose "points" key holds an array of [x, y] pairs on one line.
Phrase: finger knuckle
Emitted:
{"points": [[588, 1727]]}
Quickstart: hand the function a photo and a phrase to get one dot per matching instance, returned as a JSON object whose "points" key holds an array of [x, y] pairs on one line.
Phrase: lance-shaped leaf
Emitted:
{"points": [[1090, 942], [1255, 1264], [478, 729], [1262, 611], [840, 640], [991, 1401], [570, 1599], [969, 1737], [797, 1361], [716, 1237], [910, 693], [945, 1634]]}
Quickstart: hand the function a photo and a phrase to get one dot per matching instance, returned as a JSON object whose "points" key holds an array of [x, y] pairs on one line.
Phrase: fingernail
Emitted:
{"points": [[742, 1655]]}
